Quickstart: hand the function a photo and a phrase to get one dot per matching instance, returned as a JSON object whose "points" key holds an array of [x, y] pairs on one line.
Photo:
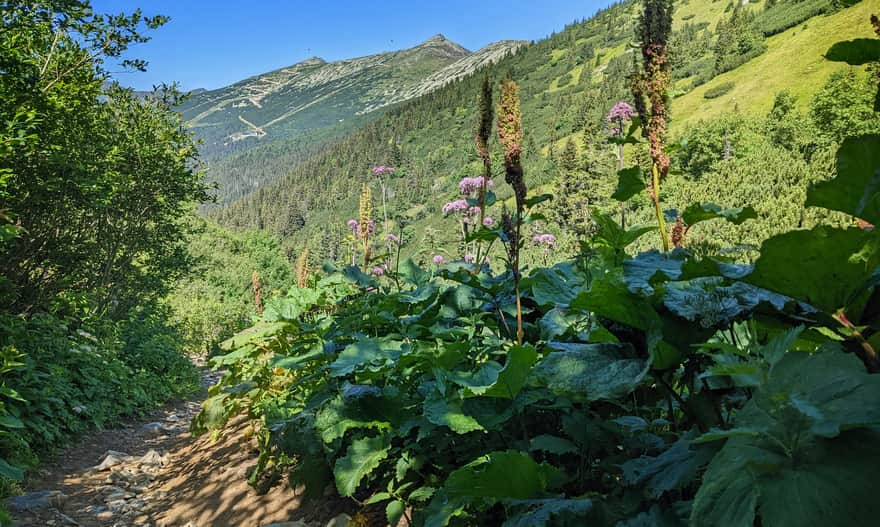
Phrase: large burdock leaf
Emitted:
{"points": [[363, 456], [449, 412], [590, 372], [629, 183], [377, 352], [502, 475], [823, 267], [557, 285], [505, 382], [856, 189], [804, 453]]}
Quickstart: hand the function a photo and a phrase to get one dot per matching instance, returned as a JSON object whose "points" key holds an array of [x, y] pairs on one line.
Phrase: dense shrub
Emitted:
{"points": [[787, 14], [718, 90], [73, 377]]}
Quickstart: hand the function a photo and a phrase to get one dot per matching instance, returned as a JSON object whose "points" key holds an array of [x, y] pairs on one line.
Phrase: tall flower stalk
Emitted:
{"points": [[510, 134], [484, 130], [620, 114], [650, 89], [365, 225]]}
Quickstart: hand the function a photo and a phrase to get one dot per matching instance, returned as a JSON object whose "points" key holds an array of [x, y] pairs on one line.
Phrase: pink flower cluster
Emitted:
{"points": [[378, 271], [391, 237], [459, 205], [437, 259], [620, 112], [469, 185], [356, 228], [470, 258], [544, 239], [488, 221], [381, 170]]}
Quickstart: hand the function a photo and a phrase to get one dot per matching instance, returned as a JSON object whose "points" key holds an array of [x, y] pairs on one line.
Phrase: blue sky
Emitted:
{"points": [[213, 43]]}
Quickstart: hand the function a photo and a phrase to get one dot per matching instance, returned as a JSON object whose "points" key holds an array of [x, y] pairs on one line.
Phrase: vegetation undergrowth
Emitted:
{"points": [[673, 387]]}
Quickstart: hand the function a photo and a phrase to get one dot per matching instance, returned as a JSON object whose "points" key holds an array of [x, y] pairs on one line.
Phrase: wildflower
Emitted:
{"points": [[620, 111], [438, 259], [619, 114], [381, 170], [458, 205], [544, 239], [469, 258], [488, 221], [469, 185], [353, 225], [391, 237], [378, 271]]}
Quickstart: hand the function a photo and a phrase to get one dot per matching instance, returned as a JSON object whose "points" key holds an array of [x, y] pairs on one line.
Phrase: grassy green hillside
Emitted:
{"points": [[793, 61], [567, 84]]}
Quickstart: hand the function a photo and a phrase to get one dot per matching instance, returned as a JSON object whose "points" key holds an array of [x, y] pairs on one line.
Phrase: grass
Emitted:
{"points": [[794, 60]]}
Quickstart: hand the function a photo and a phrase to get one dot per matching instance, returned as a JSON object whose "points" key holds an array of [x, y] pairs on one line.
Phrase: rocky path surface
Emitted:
{"points": [[153, 473]]}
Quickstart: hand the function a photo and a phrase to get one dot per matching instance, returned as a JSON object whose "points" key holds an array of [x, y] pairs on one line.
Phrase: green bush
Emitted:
{"points": [[717, 91], [784, 15]]}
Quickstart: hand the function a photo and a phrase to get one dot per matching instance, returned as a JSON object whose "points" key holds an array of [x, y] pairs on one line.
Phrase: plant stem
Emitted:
{"points": [[655, 197]]}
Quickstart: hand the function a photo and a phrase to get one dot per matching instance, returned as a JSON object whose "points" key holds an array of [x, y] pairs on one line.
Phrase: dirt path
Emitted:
{"points": [[153, 473]]}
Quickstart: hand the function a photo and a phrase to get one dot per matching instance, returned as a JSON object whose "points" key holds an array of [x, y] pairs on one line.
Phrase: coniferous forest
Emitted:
{"points": [[623, 276]]}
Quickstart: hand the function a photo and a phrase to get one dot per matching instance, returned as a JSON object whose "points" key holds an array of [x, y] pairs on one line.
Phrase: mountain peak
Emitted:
{"points": [[436, 39]]}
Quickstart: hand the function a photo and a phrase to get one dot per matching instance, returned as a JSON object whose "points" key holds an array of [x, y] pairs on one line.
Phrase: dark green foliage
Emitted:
{"points": [[786, 14], [738, 40], [717, 91]]}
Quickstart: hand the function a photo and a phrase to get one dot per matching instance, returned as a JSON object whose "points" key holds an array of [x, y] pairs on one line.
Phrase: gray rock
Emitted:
{"points": [[297, 523], [34, 501], [341, 520], [153, 458], [154, 429], [118, 495], [112, 459]]}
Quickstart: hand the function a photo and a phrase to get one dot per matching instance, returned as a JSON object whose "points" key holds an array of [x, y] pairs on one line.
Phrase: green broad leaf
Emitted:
{"points": [[489, 476], [442, 412], [421, 494], [610, 298], [335, 418], [710, 303], [378, 352], [442, 509], [313, 473], [363, 456], [10, 471], [379, 497], [856, 188], [10, 421], [413, 274], [216, 411], [674, 469], [827, 483], [629, 183], [650, 268], [806, 441], [298, 301], [612, 235], [709, 211], [557, 285], [855, 52], [258, 333], [538, 513], [552, 444], [591, 372], [299, 361], [507, 382], [535, 200], [394, 512], [823, 267]]}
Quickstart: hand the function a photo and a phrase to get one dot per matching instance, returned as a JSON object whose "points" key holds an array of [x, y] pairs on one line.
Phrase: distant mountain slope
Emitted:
{"points": [[295, 103], [567, 82]]}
